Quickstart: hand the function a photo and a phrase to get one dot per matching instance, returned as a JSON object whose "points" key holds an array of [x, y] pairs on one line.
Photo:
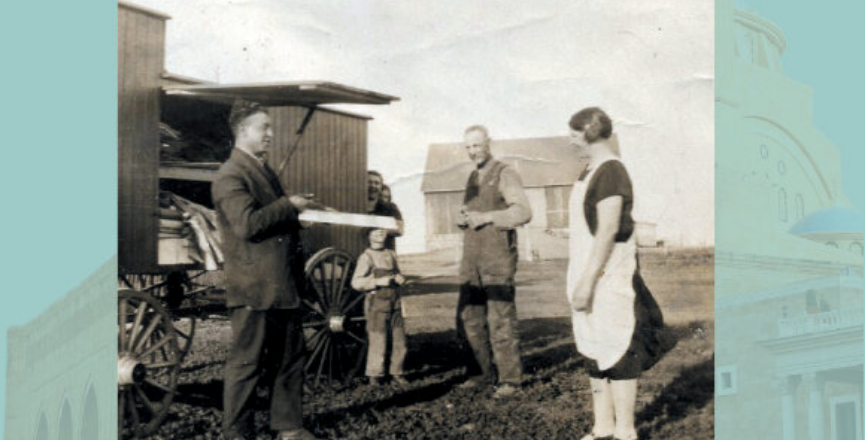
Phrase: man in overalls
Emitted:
{"points": [[495, 204]]}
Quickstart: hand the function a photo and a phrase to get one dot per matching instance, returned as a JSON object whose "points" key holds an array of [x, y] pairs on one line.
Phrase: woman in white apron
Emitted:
{"points": [[608, 297]]}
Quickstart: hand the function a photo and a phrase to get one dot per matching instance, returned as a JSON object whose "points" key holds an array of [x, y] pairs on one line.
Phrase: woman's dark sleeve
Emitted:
{"points": [[612, 180]]}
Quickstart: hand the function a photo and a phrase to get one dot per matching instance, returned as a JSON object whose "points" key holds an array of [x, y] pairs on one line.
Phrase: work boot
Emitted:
{"points": [[506, 390], [472, 383]]}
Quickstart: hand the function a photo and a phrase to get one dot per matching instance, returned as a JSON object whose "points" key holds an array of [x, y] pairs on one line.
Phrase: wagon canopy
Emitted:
{"points": [[300, 93]]}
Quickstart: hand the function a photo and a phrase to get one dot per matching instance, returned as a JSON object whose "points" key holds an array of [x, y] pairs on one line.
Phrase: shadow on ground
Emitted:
{"points": [[555, 403]]}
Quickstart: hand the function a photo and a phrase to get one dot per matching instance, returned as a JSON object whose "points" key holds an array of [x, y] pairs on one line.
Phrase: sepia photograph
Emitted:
{"points": [[406, 220]]}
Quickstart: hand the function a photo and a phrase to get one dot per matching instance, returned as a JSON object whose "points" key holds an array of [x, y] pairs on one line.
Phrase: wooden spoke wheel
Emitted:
{"points": [[334, 323], [171, 290], [148, 364]]}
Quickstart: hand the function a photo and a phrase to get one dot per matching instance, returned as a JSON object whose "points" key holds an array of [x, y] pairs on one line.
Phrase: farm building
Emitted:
{"points": [[788, 264], [548, 168]]}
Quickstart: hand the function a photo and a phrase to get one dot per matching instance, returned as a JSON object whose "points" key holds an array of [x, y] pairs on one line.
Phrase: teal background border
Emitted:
{"points": [[758, 300], [58, 117], [59, 161]]}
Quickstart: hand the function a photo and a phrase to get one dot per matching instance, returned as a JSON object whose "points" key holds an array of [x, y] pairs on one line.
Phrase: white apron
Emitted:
{"points": [[604, 333]]}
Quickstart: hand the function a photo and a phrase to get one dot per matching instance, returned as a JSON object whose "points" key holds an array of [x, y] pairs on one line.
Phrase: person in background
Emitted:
{"points": [[377, 275], [386, 195], [377, 206], [494, 205], [614, 314], [264, 279]]}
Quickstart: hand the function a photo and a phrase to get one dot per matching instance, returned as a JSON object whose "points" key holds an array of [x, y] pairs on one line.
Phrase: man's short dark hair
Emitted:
{"points": [[375, 173], [241, 110]]}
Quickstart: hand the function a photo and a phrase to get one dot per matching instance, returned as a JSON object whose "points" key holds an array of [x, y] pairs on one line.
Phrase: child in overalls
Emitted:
{"points": [[377, 274]]}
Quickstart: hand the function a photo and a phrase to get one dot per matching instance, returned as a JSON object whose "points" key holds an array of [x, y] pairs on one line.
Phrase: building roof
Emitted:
{"points": [[830, 221], [172, 79], [540, 162]]}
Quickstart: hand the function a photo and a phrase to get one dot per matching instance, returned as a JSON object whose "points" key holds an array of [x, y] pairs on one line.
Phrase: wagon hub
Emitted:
{"points": [[130, 371], [336, 324]]}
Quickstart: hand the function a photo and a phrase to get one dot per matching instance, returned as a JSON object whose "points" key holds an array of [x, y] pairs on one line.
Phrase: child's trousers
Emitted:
{"points": [[383, 318]]}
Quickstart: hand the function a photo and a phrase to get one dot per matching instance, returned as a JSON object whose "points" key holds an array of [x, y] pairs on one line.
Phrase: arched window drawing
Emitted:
{"points": [[90, 417], [64, 428], [800, 207], [41, 428], [856, 248], [782, 205]]}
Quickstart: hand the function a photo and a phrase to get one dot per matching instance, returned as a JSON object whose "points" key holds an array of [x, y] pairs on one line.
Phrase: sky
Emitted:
{"points": [[521, 68]]}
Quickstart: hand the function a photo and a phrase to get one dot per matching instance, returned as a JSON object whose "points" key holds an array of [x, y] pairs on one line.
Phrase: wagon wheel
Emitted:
{"points": [[170, 289], [148, 364], [334, 323]]}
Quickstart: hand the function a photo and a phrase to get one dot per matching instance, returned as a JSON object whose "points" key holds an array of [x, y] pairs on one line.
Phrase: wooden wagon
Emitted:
{"points": [[163, 286]]}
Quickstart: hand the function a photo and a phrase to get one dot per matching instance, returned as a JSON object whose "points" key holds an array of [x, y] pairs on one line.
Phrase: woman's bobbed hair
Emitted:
{"points": [[594, 122]]}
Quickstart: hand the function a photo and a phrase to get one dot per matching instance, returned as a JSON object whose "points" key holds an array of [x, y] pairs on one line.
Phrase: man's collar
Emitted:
{"points": [[260, 160], [485, 165]]}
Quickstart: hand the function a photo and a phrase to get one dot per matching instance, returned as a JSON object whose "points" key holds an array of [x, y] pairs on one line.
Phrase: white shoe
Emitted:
{"points": [[593, 436]]}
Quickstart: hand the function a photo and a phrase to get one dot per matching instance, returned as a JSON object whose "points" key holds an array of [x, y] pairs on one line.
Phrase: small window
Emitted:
{"points": [[726, 380], [800, 207], [782, 205], [782, 167], [42, 428], [764, 151], [845, 417], [856, 248], [750, 48], [64, 430], [557, 206]]}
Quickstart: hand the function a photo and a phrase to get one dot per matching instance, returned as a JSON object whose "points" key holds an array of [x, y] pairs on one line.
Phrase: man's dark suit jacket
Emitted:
{"points": [[260, 240]]}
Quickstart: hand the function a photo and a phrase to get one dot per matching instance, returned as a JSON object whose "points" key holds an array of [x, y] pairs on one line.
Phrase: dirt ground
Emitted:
{"points": [[675, 397]]}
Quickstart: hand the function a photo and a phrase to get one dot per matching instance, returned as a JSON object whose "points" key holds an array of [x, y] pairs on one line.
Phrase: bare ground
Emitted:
{"points": [[675, 399]]}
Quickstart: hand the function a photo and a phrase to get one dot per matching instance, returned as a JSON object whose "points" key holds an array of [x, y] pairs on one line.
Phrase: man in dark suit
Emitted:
{"points": [[264, 278]]}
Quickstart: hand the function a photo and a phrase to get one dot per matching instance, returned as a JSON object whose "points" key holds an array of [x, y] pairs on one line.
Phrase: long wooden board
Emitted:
{"points": [[346, 219]]}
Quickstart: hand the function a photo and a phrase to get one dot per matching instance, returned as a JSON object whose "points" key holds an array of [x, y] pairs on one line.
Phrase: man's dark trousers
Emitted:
{"points": [[274, 337]]}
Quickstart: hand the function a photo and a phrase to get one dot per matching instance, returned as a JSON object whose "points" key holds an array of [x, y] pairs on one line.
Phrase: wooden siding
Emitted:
{"points": [[329, 162], [442, 212], [141, 42]]}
